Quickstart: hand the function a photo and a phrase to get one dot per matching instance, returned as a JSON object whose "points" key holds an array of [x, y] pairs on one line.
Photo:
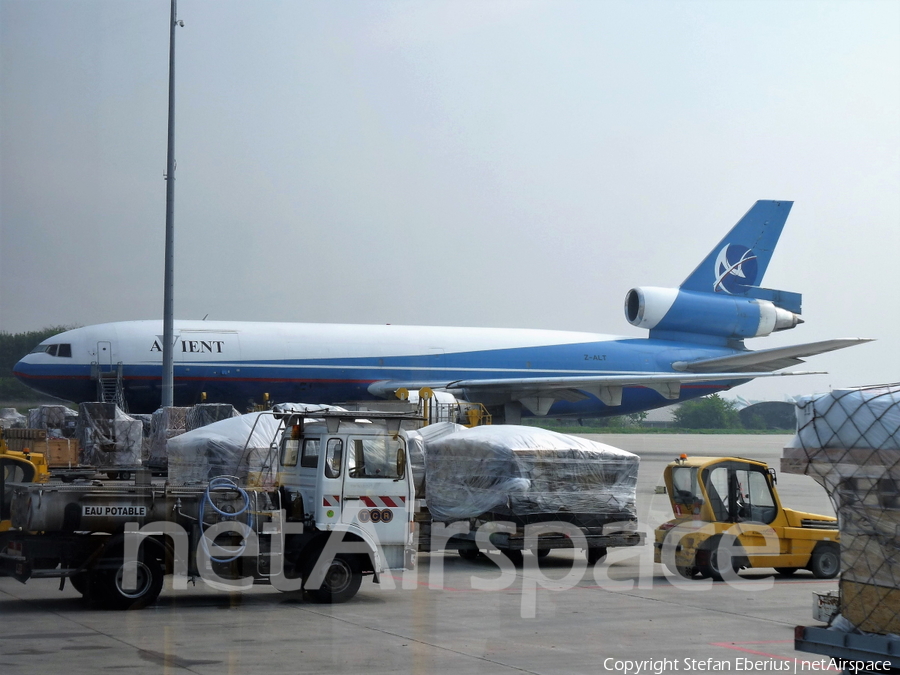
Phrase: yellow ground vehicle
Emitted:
{"points": [[728, 516], [18, 467]]}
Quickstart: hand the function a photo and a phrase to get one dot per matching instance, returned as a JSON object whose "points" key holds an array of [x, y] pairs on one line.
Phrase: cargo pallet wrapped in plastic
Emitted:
{"points": [[526, 474], [48, 417], [12, 418], [206, 413], [146, 421], [849, 442], [241, 446], [109, 438], [166, 424]]}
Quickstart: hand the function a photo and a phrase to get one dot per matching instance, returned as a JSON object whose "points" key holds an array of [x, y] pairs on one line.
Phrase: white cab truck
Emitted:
{"points": [[337, 507]]}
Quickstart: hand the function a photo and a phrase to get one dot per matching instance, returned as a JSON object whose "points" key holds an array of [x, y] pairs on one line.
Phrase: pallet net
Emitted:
{"points": [[849, 442]]}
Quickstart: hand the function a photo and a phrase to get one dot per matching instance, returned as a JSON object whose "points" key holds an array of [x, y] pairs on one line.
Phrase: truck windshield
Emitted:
{"points": [[376, 457], [685, 491], [740, 493]]}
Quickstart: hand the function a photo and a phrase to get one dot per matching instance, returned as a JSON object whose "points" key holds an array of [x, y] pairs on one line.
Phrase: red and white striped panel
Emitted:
{"points": [[382, 502], [331, 500]]}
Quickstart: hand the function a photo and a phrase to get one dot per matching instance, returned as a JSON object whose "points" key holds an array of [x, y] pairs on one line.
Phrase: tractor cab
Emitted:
{"points": [[728, 516]]}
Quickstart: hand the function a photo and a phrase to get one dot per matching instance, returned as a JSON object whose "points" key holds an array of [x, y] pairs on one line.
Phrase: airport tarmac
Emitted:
{"points": [[437, 619]]}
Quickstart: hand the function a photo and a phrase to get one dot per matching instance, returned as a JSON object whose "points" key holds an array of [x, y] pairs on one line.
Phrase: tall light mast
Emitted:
{"points": [[168, 360]]}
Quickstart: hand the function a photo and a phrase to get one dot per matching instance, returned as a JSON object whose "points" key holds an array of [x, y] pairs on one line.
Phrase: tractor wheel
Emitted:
{"points": [[688, 572], [825, 561], [719, 558]]}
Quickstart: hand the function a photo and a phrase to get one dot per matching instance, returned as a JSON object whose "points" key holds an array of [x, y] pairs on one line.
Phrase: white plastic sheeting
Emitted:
{"points": [[239, 446], [146, 426], [10, 417], [848, 441], [166, 424], [864, 417], [109, 438], [49, 417], [207, 413], [416, 442], [526, 474]]}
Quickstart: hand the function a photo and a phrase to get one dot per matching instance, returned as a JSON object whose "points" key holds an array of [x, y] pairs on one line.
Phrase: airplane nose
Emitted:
{"points": [[21, 369]]}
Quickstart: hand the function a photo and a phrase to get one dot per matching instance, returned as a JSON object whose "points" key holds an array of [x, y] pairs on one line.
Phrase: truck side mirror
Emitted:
{"points": [[774, 477], [401, 464]]}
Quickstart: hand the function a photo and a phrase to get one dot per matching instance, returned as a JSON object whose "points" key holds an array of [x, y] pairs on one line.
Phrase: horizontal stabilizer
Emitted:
{"points": [[766, 360], [792, 302]]}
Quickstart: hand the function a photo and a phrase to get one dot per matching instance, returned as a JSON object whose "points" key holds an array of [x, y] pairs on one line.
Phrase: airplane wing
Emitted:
{"points": [[766, 360], [538, 393]]}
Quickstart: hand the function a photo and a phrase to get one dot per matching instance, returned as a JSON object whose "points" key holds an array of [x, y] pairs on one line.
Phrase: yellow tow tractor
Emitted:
{"points": [[728, 516], [18, 467]]}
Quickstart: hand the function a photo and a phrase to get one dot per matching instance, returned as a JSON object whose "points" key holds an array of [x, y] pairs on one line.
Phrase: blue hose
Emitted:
{"points": [[224, 482]]}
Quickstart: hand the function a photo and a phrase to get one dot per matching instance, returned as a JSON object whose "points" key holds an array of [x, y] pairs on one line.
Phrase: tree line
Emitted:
{"points": [[13, 346], [709, 412]]}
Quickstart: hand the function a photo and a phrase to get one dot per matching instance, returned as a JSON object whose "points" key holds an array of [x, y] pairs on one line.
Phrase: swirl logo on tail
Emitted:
{"points": [[736, 270]]}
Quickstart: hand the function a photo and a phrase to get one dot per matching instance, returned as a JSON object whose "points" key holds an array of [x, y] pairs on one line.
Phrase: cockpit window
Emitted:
{"points": [[64, 349]]}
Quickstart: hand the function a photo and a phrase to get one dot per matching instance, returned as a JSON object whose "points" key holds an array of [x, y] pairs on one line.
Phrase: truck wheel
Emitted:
{"points": [[514, 555], [80, 582], [468, 553], [596, 554], [540, 553], [107, 584], [825, 561], [719, 558], [342, 581]]}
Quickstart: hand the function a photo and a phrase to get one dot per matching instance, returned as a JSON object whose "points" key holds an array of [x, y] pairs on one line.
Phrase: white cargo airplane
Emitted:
{"points": [[695, 347]]}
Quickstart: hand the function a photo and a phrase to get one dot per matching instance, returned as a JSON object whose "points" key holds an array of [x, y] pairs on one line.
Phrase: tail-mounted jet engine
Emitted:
{"points": [[727, 316]]}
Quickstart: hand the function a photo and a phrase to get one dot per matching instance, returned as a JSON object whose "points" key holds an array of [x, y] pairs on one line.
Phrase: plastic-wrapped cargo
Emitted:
{"points": [[416, 442], [243, 446], [207, 413], [146, 426], [109, 438], [48, 417], [849, 442], [10, 418], [525, 474], [166, 424]]}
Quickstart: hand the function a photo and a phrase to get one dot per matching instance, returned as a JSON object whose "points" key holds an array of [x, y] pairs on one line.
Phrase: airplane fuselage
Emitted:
{"points": [[239, 362]]}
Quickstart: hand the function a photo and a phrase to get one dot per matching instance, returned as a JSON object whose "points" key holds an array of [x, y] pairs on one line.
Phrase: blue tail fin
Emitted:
{"points": [[736, 266]]}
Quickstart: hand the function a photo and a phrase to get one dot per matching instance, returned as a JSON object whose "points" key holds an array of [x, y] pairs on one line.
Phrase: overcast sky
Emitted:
{"points": [[492, 163]]}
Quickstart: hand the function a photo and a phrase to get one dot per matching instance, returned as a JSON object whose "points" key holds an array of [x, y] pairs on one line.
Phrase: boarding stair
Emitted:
{"points": [[110, 388]]}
